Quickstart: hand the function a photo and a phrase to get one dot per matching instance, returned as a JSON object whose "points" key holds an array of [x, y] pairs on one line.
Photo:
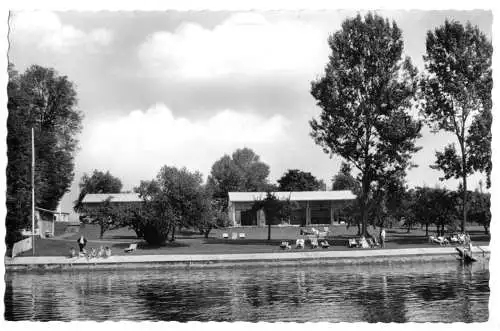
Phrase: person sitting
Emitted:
{"points": [[72, 252], [100, 252], [93, 253], [107, 251]]}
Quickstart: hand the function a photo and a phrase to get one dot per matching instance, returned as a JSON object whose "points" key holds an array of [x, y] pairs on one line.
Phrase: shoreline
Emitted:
{"points": [[320, 257]]}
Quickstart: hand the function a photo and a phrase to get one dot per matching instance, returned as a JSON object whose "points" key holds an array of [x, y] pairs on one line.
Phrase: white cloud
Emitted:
{"points": [[46, 30], [243, 44], [135, 146]]}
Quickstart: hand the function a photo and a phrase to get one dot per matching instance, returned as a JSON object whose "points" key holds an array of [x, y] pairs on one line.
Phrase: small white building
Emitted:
{"points": [[315, 207]]}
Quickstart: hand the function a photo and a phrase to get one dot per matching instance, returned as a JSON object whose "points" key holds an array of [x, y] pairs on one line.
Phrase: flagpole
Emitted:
{"points": [[33, 189]]}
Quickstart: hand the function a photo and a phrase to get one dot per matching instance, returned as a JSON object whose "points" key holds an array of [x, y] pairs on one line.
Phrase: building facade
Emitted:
{"points": [[315, 207]]}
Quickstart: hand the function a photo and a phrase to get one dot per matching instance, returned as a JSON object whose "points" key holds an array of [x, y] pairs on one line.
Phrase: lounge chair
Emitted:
{"points": [[324, 244], [299, 243], [352, 243], [131, 248], [314, 243], [225, 236], [285, 245], [443, 241], [234, 236], [242, 235]]}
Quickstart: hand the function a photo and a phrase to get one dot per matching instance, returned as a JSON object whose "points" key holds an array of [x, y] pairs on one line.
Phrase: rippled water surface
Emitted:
{"points": [[447, 292]]}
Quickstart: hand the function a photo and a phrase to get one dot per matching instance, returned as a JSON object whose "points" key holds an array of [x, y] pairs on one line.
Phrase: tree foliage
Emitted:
{"points": [[457, 98], [243, 171], [365, 94], [41, 99], [344, 180], [174, 199], [98, 182], [296, 180], [435, 206], [479, 210]]}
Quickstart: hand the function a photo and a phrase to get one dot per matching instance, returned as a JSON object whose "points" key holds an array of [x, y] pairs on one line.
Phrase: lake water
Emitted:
{"points": [[419, 292]]}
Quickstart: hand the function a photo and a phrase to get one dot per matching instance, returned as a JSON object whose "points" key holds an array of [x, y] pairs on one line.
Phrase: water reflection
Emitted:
{"points": [[383, 293]]}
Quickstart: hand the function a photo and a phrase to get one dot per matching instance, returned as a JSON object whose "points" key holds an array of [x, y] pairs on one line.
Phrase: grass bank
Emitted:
{"points": [[190, 243]]}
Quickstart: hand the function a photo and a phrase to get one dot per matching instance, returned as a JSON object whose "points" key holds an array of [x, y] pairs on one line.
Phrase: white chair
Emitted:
{"points": [[234, 236], [242, 235], [299, 243], [285, 245], [131, 248], [225, 236], [314, 243]]}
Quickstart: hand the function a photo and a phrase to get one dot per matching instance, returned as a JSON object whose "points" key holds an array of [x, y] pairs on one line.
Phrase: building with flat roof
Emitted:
{"points": [[94, 200], [315, 207]]}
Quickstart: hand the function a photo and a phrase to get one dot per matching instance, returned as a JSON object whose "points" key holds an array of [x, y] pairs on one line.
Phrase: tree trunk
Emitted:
{"points": [[269, 230], [359, 228], [426, 230], [364, 214], [172, 238], [102, 230], [464, 183]]}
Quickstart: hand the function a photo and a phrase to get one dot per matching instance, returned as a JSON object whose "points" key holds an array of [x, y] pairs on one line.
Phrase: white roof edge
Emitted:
{"points": [[115, 197], [294, 195]]}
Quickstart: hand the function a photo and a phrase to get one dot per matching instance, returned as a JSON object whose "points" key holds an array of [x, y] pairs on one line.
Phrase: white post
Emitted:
{"points": [[33, 189]]}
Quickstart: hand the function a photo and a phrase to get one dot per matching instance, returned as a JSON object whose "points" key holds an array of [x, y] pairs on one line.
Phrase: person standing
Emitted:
{"points": [[82, 241], [382, 237]]}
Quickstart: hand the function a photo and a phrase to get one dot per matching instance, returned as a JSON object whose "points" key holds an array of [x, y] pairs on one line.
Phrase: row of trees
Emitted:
{"points": [[369, 91], [177, 198]]}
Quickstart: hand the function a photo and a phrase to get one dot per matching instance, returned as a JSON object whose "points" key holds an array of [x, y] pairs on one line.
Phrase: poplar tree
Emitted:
{"points": [[365, 96], [457, 99]]}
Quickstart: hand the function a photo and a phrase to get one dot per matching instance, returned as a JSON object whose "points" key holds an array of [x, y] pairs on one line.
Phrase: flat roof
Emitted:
{"points": [[115, 197], [294, 195]]}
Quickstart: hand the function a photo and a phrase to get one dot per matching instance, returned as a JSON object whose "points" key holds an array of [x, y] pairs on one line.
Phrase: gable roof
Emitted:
{"points": [[115, 197], [294, 195]]}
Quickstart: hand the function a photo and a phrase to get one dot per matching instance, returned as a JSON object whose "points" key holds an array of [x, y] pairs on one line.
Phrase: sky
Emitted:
{"points": [[184, 88]]}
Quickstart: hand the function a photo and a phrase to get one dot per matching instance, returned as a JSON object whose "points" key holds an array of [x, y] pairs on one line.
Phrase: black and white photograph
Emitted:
{"points": [[248, 165]]}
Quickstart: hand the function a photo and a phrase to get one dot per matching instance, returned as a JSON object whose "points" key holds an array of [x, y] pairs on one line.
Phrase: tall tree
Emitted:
{"points": [[296, 180], [41, 99], [365, 95], [98, 182], [243, 171], [456, 90]]}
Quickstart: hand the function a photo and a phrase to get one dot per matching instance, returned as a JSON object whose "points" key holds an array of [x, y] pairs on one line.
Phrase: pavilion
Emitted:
{"points": [[315, 207]]}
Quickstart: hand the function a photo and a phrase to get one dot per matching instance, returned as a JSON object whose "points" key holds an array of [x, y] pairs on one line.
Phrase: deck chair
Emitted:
{"points": [[242, 235], [131, 248], [285, 245], [325, 244], [352, 243], [443, 241], [314, 243], [225, 236], [234, 236], [299, 243]]}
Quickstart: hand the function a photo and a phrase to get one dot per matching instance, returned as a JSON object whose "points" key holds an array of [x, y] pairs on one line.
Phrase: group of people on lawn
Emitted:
{"points": [[82, 242]]}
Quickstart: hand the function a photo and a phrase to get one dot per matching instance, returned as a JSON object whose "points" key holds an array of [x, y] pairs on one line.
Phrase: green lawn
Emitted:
{"points": [[255, 242]]}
